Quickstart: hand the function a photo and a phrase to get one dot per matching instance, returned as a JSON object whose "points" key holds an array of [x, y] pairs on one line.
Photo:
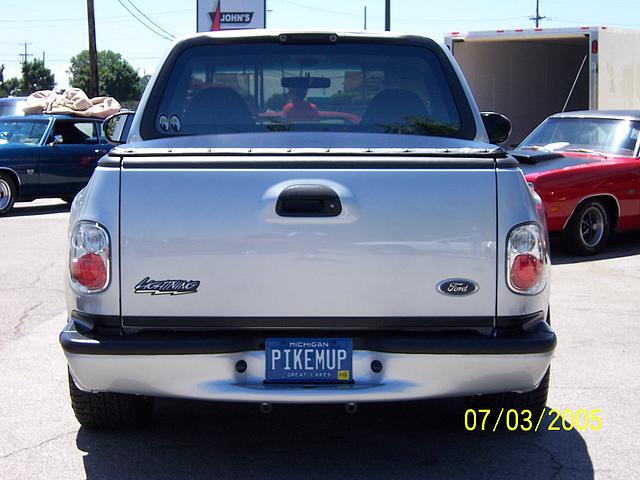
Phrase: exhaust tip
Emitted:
{"points": [[241, 366], [376, 366], [266, 408], [351, 408]]}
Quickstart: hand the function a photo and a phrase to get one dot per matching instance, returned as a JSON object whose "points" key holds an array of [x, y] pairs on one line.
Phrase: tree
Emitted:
{"points": [[276, 101], [12, 86], [8, 87], [35, 76], [117, 78], [144, 80]]}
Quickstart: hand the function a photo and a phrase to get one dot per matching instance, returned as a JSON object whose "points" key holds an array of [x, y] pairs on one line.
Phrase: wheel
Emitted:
{"points": [[106, 410], [588, 230], [534, 400], [7, 194]]}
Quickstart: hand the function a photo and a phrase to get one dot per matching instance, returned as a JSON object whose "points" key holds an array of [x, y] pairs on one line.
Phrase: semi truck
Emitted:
{"points": [[529, 74]]}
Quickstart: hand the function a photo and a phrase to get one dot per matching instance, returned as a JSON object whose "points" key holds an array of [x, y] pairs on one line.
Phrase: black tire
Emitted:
{"points": [[534, 400], [8, 193], [99, 411], [587, 233]]}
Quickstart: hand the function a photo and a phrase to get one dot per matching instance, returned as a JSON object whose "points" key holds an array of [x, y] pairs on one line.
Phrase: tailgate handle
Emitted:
{"points": [[308, 201]]}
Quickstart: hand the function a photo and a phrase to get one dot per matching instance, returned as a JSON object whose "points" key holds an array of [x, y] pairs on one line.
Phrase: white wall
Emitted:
{"points": [[619, 69]]}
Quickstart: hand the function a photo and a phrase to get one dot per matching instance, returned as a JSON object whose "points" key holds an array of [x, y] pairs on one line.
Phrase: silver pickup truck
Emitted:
{"points": [[306, 218]]}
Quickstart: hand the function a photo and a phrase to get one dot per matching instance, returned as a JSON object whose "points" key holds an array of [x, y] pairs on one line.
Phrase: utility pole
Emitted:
{"points": [[43, 58], [365, 17], [93, 54], [387, 16], [538, 17], [25, 55]]}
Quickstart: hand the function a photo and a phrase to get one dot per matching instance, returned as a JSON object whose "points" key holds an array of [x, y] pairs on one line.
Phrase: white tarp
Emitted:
{"points": [[72, 102], [234, 14]]}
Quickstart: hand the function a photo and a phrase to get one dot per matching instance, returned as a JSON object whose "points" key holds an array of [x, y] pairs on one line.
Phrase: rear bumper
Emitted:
{"points": [[415, 366]]}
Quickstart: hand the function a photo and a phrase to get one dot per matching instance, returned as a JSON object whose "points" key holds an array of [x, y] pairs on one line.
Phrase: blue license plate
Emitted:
{"points": [[309, 360]]}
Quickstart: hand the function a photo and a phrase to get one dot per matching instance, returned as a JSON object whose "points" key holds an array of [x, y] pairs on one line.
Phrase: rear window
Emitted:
{"points": [[22, 131], [273, 88], [11, 106]]}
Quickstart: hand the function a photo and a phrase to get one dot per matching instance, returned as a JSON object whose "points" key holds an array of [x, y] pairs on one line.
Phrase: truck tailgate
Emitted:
{"points": [[378, 262]]}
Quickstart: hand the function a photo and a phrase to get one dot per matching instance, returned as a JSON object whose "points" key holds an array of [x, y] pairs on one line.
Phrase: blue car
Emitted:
{"points": [[47, 156]]}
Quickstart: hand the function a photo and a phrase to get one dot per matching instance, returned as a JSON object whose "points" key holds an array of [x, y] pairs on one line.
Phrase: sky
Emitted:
{"points": [[58, 29]]}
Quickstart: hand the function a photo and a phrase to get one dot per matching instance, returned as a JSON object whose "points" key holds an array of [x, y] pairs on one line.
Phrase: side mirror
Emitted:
{"points": [[56, 140], [116, 127], [497, 125]]}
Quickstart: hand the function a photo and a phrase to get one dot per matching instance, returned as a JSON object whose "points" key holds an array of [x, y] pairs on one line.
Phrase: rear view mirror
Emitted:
{"points": [[305, 82], [497, 125], [116, 127]]}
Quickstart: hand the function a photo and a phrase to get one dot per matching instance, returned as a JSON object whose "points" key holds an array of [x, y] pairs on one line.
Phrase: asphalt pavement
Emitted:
{"points": [[595, 310]]}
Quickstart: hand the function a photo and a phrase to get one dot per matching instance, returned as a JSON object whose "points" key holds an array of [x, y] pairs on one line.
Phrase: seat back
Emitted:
{"points": [[217, 106], [391, 106]]}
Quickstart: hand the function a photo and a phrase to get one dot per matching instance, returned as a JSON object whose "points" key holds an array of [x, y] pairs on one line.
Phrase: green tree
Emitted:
{"points": [[12, 86], [35, 76], [117, 78], [276, 101], [144, 81], [8, 87]]}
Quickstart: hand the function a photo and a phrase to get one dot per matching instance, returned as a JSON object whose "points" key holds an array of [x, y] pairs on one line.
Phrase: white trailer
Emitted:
{"points": [[529, 74]]}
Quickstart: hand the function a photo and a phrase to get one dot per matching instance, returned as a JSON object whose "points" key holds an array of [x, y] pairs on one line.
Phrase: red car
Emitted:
{"points": [[586, 168]]}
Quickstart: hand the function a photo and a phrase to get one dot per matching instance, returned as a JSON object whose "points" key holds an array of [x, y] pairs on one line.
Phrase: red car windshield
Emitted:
{"points": [[600, 135], [273, 88]]}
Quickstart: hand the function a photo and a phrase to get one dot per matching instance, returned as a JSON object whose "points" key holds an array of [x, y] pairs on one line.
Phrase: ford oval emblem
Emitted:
{"points": [[458, 287]]}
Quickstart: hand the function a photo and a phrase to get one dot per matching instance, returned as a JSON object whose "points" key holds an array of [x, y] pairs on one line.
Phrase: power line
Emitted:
{"points": [[145, 16], [94, 83], [537, 17], [150, 28], [82, 19], [25, 55], [400, 19]]}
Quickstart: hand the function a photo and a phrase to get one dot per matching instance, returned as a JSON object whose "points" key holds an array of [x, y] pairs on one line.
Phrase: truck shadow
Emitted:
{"points": [[425, 439], [620, 245]]}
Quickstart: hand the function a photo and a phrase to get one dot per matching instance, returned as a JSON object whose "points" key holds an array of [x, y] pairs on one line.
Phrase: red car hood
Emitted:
{"points": [[535, 162]]}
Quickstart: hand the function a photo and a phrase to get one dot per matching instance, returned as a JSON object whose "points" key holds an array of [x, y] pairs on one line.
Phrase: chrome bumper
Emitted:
{"points": [[214, 377]]}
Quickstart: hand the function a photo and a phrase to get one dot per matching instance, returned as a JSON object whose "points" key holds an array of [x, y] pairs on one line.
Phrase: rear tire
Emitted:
{"points": [[8, 193], [106, 410], [587, 233], [535, 400]]}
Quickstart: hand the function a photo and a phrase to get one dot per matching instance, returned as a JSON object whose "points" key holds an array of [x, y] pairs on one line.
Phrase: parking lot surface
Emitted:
{"points": [[595, 311]]}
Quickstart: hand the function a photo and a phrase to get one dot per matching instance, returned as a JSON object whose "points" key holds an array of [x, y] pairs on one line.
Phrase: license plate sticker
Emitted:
{"points": [[309, 360]]}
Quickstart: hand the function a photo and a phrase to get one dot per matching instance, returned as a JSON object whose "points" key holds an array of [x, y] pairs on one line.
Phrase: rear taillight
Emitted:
{"points": [[527, 259], [89, 257]]}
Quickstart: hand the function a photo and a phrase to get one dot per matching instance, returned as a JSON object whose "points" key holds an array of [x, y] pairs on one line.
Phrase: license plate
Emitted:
{"points": [[309, 360]]}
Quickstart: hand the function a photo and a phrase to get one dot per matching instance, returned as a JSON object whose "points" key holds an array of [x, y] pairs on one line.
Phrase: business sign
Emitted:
{"points": [[230, 14]]}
